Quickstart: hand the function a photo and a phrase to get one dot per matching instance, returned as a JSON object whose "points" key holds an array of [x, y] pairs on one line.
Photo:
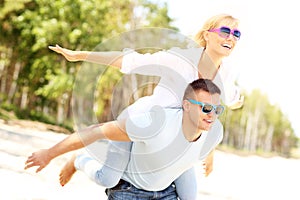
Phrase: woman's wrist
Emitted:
{"points": [[82, 55]]}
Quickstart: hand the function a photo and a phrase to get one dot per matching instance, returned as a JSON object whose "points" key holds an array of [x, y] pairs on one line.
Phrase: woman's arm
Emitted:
{"points": [[159, 64], [111, 130], [237, 104], [113, 58]]}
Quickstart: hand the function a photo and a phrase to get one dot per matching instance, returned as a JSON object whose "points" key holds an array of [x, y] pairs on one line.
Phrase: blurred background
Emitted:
{"points": [[36, 84]]}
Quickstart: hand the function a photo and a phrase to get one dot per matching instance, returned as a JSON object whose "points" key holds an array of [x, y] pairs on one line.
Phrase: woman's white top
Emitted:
{"points": [[176, 68]]}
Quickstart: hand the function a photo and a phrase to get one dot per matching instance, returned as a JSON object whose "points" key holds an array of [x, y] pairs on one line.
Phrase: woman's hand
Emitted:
{"points": [[238, 104], [70, 55]]}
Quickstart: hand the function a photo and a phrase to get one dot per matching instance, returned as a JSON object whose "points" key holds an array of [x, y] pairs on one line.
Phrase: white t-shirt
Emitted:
{"points": [[177, 68], [160, 152]]}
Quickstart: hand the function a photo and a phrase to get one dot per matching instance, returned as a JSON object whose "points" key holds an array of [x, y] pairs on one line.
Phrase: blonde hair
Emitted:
{"points": [[214, 22]]}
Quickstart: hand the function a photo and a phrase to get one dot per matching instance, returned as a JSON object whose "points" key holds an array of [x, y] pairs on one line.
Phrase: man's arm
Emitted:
{"points": [[113, 58], [111, 130]]}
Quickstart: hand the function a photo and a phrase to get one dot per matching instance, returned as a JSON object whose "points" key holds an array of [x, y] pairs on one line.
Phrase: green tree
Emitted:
{"points": [[39, 80], [258, 126]]}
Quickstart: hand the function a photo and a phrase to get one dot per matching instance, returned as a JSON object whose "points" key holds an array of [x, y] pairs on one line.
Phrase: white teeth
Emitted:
{"points": [[227, 46]]}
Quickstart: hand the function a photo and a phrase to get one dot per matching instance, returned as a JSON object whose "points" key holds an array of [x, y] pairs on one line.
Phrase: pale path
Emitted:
{"points": [[18, 184], [234, 177]]}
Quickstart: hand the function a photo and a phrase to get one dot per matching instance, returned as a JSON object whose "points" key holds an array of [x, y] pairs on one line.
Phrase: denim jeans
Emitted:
{"points": [[126, 191]]}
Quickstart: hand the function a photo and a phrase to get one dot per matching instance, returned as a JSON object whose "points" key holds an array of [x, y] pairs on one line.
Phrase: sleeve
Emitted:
{"points": [[144, 126], [156, 64], [232, 94], [231, 90], [213, 139]]}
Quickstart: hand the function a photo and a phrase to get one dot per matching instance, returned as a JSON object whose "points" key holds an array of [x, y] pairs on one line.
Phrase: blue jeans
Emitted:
{"points": [[126, 191]]}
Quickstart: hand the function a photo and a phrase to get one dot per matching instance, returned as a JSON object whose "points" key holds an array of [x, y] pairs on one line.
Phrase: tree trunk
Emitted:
{"points": [[60, 111], [13, 86], [4, 71], [268, 139], [24, 97], [254, 135], [248, 132], [227, 128], [3, 80], [241, 129]]}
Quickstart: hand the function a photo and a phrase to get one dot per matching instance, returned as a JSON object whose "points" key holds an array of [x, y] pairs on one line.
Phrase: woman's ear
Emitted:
{"points": [[205, 35]]}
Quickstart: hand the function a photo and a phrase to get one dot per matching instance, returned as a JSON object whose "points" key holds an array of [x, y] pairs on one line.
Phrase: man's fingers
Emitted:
{"points": [[27, 166], [30, 162], [39, 169], [30, 158]]}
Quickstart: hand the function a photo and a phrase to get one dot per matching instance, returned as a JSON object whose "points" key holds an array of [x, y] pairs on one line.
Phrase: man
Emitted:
{"points": [[166, 142]]}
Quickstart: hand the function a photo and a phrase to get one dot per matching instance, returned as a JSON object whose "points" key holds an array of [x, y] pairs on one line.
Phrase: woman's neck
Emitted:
{"points": [[208, 65], [215, 58]]}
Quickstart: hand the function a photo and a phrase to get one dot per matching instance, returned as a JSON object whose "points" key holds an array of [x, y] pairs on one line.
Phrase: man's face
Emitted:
{"points": [[202, 120]]}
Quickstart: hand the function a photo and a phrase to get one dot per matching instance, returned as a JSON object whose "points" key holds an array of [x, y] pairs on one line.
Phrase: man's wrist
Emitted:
{"points": [[51, 153]]}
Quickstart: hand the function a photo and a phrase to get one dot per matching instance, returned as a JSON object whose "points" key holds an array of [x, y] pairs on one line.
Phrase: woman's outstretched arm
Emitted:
{"points": [[113, 58]]}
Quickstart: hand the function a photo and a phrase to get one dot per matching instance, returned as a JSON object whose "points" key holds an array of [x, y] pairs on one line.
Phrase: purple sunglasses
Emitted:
{"points": [[225, 32]]}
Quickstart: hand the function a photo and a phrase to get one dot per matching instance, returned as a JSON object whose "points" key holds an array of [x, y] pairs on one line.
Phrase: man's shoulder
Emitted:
{"points": [[144, 125]]}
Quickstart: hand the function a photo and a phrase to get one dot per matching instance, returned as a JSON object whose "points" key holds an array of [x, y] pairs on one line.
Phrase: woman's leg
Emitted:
{"points": [[186, 185], [109, 173]]}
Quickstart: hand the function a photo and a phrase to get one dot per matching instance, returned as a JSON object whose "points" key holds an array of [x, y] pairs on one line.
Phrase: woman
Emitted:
{"points": [[216, 39]]}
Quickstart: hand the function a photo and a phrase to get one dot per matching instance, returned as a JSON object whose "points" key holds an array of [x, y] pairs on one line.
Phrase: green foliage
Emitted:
{"points": [[157, 14], [6, 114], [58, 84], [105, 90], [8, 107], [28, 27], [33, 115]]}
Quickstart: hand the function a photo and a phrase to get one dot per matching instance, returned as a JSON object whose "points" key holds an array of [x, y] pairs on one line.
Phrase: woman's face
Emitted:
{"points": [[219, 41]]}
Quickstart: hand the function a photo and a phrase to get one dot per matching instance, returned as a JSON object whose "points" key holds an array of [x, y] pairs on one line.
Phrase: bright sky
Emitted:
{"points": [[267, 52]]}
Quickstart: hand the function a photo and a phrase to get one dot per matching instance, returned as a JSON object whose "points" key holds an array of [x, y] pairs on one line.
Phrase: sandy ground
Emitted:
{"points": [[234, 177]]}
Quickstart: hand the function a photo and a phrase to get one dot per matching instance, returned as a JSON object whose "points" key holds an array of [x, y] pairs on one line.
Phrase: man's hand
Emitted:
{"points": [[40, 158]]}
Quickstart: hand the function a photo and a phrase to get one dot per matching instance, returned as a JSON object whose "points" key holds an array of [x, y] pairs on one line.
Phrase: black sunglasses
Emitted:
{"points": [[208, 108]]}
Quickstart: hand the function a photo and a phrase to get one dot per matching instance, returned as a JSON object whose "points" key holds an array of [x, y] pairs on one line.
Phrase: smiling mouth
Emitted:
{"points": [[208, 121], [227, 46]]}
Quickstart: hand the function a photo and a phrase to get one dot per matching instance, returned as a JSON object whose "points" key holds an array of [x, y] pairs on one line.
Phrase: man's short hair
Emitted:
{"points": [[201, 84]]}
